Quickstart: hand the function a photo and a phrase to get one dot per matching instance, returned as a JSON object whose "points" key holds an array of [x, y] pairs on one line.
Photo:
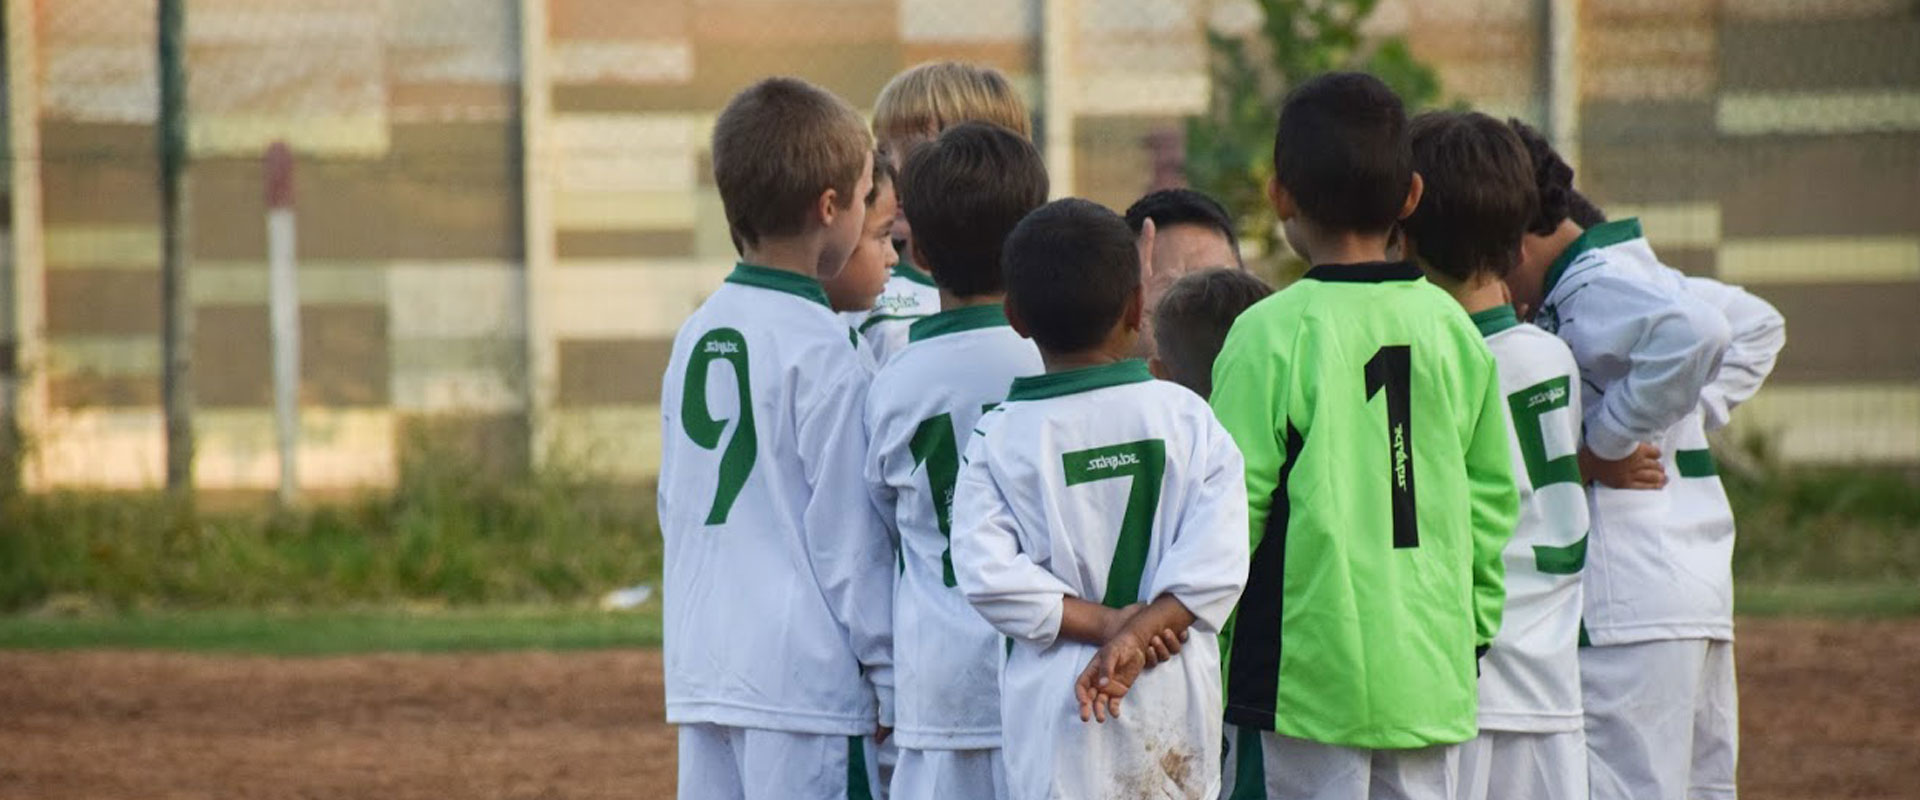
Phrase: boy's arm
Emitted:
{"points": [[1249, 383], [1204, 566], [1495, 504], [1119, 662], [874, 471], [1672, 344], [1758, 332], [1015, 595], [846, 541]]}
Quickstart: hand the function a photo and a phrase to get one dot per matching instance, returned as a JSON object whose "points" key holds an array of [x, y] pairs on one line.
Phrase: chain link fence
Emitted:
{"points": [[505, 210]]}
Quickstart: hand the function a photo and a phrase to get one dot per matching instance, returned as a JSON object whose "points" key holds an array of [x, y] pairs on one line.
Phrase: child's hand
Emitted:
{"points": [[1164, 646], [1115, 620], [1639, 470], [1109, 676]]}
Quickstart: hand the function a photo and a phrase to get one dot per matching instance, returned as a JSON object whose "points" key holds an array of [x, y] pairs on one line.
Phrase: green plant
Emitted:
{"points": [[450, 532], [1230, 147]]}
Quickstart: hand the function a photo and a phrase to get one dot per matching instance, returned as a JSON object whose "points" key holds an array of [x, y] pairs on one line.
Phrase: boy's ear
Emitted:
{"points": [[1013, 319], [827, 206], [1415, 189], [1282, 200], [1136, 317]]}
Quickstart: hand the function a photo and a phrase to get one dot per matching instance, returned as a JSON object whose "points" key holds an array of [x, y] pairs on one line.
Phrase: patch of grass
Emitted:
{"points": [[315, 633], [452, 531], [1865, 600], [1836, 525]]}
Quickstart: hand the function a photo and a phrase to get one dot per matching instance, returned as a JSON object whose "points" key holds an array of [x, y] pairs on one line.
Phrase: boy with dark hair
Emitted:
{"points": [[1657, 682], [1192, 320], [1180, 231], [1380, 486], [1092, 490], [852, 292], [1467, 230], [965, 191], [779, 574]]}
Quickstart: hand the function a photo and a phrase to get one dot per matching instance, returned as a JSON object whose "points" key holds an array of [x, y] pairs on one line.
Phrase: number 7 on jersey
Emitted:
{"points": [[1144, 461]]}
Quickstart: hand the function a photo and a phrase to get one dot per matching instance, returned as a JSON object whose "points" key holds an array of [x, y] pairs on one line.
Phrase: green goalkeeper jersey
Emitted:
{"points": [[1381, 494]]}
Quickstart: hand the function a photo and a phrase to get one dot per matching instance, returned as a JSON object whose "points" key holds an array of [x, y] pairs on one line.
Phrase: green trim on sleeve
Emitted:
{"points": [[968, 318], [1074, 381], [1695, 464], [1605, 234], [779, 280], [1495, 320]]}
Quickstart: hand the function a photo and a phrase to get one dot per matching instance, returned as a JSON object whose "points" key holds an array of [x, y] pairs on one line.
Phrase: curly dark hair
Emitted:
{"points": [[1551, 176]]}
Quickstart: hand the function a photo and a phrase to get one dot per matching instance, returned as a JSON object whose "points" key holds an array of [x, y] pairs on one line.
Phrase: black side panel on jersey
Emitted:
{"points": [[1253, 674]]}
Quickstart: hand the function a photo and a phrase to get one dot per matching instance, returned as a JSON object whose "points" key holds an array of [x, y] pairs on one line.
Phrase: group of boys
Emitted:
{"points": [[1078, 508]]}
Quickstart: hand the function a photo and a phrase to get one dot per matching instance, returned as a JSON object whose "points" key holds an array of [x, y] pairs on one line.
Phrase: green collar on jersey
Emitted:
{"points": [[778, 280], [1367, 272], [1605, 234], [968, 318], [1494, 320], [906, 269], [1074, 381]]}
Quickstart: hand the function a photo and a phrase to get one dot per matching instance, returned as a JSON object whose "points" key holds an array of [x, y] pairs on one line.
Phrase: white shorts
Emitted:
{"points": [[1286, 768], [943, 774], [1663, 720], [1505, 765], [718, 762]]}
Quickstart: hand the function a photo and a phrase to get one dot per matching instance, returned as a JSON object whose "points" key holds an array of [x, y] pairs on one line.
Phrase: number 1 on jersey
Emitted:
{"points": [[1145, 462], [1391, 369], [736, 462]]}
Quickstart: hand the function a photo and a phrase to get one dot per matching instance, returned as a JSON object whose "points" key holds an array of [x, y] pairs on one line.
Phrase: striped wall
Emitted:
{"points": [[1775, 144]]}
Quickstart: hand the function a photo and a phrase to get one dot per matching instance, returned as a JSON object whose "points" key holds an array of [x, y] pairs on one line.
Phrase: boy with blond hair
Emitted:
{"points": [[779, 573], [915, 106]]}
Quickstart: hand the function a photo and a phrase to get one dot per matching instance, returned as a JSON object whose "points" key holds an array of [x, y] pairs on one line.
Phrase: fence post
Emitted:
{"points": [[23, 386], [536, 186], [1563, 77], [283, 310], [1060, 89], [176, 339]]}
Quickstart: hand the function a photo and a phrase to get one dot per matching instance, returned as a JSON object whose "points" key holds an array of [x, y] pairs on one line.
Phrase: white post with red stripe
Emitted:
{"points": [[283, 312]]}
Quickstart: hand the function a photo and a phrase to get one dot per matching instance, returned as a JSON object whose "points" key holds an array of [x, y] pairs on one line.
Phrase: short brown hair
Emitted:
{"points": [[963, 193], [935, 96], [1479, 194], [1193, 317], [776, 147]]}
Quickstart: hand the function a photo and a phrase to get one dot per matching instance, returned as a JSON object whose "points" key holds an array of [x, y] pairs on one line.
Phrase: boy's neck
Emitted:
{"points": [[1117, 348], [1346, 247], [796, 254], [950, 301], [1476, 294]]}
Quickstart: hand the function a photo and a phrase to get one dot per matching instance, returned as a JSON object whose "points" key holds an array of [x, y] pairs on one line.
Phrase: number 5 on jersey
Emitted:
{"points": [[1145, 462], [736, 462]]}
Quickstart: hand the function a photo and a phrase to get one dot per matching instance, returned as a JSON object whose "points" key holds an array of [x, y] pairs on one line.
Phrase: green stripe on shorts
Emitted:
{"points": [[857, 788]]}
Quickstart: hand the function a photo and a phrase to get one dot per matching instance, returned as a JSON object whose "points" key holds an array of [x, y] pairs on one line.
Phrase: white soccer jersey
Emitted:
{"points": [[1758, 334], [1105, 485], [1659, 562], [1530, 678], [779, 572], [909, 295], [921, 409]]}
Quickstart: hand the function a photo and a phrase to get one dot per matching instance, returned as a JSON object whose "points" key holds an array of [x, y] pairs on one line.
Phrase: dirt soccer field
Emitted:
{"points": [[1831, 710]]}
